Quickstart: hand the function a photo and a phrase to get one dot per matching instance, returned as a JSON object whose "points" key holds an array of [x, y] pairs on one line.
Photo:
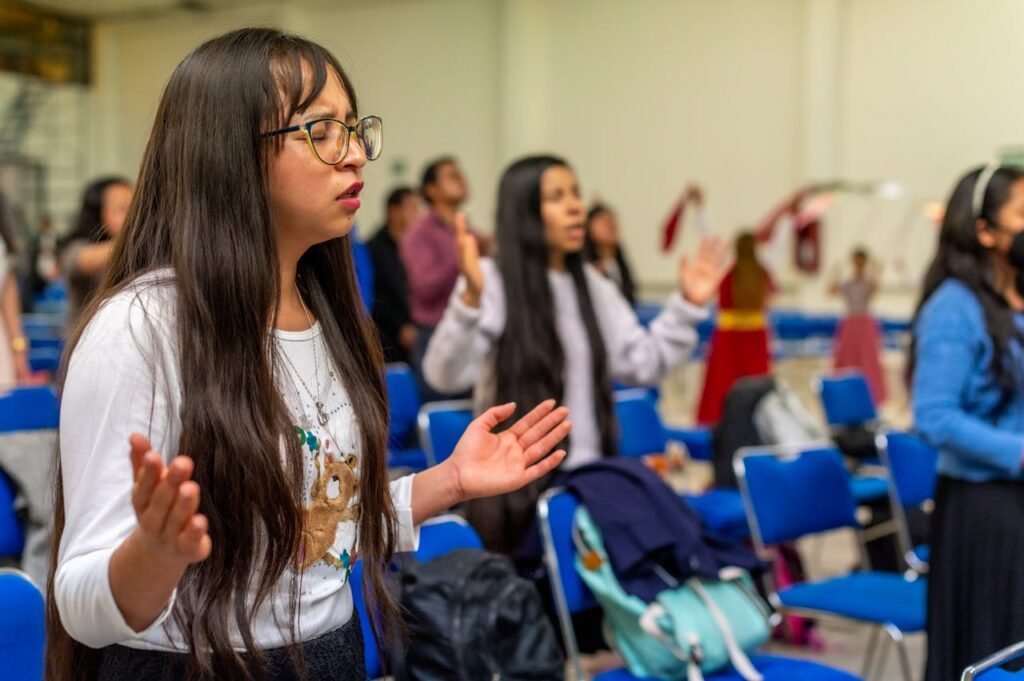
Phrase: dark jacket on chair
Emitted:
{"points": [[647, 528]]}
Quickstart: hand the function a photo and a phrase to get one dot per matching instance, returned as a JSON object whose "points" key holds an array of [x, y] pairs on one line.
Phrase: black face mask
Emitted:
{"points": [[1016, 253]]}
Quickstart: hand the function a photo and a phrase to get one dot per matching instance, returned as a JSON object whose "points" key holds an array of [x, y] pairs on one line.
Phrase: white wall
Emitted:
{"points": [[749, 98]]}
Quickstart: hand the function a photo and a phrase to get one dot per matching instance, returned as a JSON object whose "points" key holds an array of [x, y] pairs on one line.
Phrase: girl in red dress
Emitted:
{"points": [[739, 345]]}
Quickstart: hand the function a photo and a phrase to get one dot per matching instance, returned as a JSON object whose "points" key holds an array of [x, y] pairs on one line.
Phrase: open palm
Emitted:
{"points": [[488, 463], [700, 276]]}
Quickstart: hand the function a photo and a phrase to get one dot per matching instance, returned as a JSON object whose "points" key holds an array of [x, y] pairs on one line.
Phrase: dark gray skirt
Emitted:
{"points": [[335, 656], [976, 576]]}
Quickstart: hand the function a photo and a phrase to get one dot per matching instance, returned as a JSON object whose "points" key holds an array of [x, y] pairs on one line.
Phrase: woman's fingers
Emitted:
{"points": [[147, 478], [491, 418], [543, 427], [139, 446], [533, 417], [539, 449], [194, 542], [185, 506], [544, 466], [154, 514]]}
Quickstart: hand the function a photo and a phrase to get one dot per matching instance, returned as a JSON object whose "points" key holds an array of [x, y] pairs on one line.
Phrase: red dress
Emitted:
{"points": [[859, 338], [739, 348]]}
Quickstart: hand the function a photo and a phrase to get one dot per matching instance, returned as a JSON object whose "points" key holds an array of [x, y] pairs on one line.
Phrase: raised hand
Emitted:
{"points": [[166, 506], [485, 463], [469, 262], [700, 276]]}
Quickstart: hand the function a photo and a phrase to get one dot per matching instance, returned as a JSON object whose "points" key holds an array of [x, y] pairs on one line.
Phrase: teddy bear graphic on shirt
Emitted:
{"points": [[334, 488]]}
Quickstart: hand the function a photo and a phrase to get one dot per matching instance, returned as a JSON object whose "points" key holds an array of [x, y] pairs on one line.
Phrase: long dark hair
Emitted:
{"points": [[530, 360], [7, 227], [202, 208], [89, 221], [591, 255], [749, 279], [962, 257]]}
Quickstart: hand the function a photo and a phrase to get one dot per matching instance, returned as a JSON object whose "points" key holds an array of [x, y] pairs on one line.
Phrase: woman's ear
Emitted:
{"points": [[986, 235]]}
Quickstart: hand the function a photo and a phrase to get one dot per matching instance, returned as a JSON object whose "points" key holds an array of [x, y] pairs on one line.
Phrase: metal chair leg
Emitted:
{"points": [[883, 659], [901, 650], [869, 655]]}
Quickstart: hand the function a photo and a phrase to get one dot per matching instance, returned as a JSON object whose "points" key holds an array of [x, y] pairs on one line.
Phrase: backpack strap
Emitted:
{"points": [[649, 623], [740, 662]]}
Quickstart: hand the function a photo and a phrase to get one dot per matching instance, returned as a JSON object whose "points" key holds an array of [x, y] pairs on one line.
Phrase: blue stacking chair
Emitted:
{"points": [[913, 474], [847, 402], [846, 399], [31, 408], [22, 628], [642, 432], [794, 494], [990, 669], [403, 408], [44, 359], [556, 511], [441, 424], [438, 536]]}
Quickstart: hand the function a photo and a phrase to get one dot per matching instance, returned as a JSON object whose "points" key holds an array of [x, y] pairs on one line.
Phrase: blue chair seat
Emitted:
{"points": [[722, 511], [415, 459], [773, 668], [867, 489], [879, 597], [697, 441]]}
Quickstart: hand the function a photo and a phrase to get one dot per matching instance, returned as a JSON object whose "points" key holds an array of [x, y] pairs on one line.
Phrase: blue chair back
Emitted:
{"points": [[787, 497], [557, 512], [913, 464], [12, 534], [444, 534], [22, 628], [32, 408], [441, 424], [44, 359], [374, 667], [641, 431], [846, 399], [403, 402]]}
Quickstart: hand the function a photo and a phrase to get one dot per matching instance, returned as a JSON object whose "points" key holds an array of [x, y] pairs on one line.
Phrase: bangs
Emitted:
{"points": [[292, 61]]}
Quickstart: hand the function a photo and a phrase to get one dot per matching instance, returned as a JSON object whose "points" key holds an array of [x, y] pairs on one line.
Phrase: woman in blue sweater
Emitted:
{"points": [[968, 401]]}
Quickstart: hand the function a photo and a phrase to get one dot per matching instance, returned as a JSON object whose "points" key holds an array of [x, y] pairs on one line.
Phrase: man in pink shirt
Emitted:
{"points": [[431, 257]]}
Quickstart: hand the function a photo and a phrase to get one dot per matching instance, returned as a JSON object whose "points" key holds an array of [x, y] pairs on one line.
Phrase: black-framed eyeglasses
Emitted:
{"points": [[328, 137]]}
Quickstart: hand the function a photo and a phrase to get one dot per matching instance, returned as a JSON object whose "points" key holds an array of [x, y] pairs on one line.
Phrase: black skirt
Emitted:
{"points": [[335, 656], [976, 576]]}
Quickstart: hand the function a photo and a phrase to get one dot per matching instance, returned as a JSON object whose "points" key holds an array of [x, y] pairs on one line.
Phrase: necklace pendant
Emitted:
{"points": [[320, 415]]}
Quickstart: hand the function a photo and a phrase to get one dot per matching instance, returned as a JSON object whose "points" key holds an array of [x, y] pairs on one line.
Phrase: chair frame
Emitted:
{"points": [[423, 423], [557, 588], [910, 559], [974, 671], [894, 633]]}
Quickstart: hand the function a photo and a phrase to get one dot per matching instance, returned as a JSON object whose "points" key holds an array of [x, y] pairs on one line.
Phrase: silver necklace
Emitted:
{"points": [[321, 416]]}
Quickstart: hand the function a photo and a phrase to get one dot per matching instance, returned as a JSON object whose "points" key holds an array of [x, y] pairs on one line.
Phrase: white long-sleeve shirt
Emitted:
{"points": [[461, 353], [123, 378]]}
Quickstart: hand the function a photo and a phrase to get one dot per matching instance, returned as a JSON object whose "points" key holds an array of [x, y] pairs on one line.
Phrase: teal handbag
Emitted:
{"points": [[701, 626]]}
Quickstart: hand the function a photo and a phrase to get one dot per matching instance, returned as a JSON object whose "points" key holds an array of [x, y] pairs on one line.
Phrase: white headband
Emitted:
{"points": [[981, 186]]}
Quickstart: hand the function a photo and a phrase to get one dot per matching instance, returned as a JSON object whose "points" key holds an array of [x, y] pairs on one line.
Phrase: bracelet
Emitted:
{"points": [[19, 344]]}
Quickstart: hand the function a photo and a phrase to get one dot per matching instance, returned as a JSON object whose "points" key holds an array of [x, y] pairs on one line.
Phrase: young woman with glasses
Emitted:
{"points": [[223, 424]]}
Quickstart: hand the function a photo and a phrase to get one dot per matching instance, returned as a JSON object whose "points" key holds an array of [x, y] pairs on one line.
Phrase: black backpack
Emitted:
{"points": [[471, 618]]}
